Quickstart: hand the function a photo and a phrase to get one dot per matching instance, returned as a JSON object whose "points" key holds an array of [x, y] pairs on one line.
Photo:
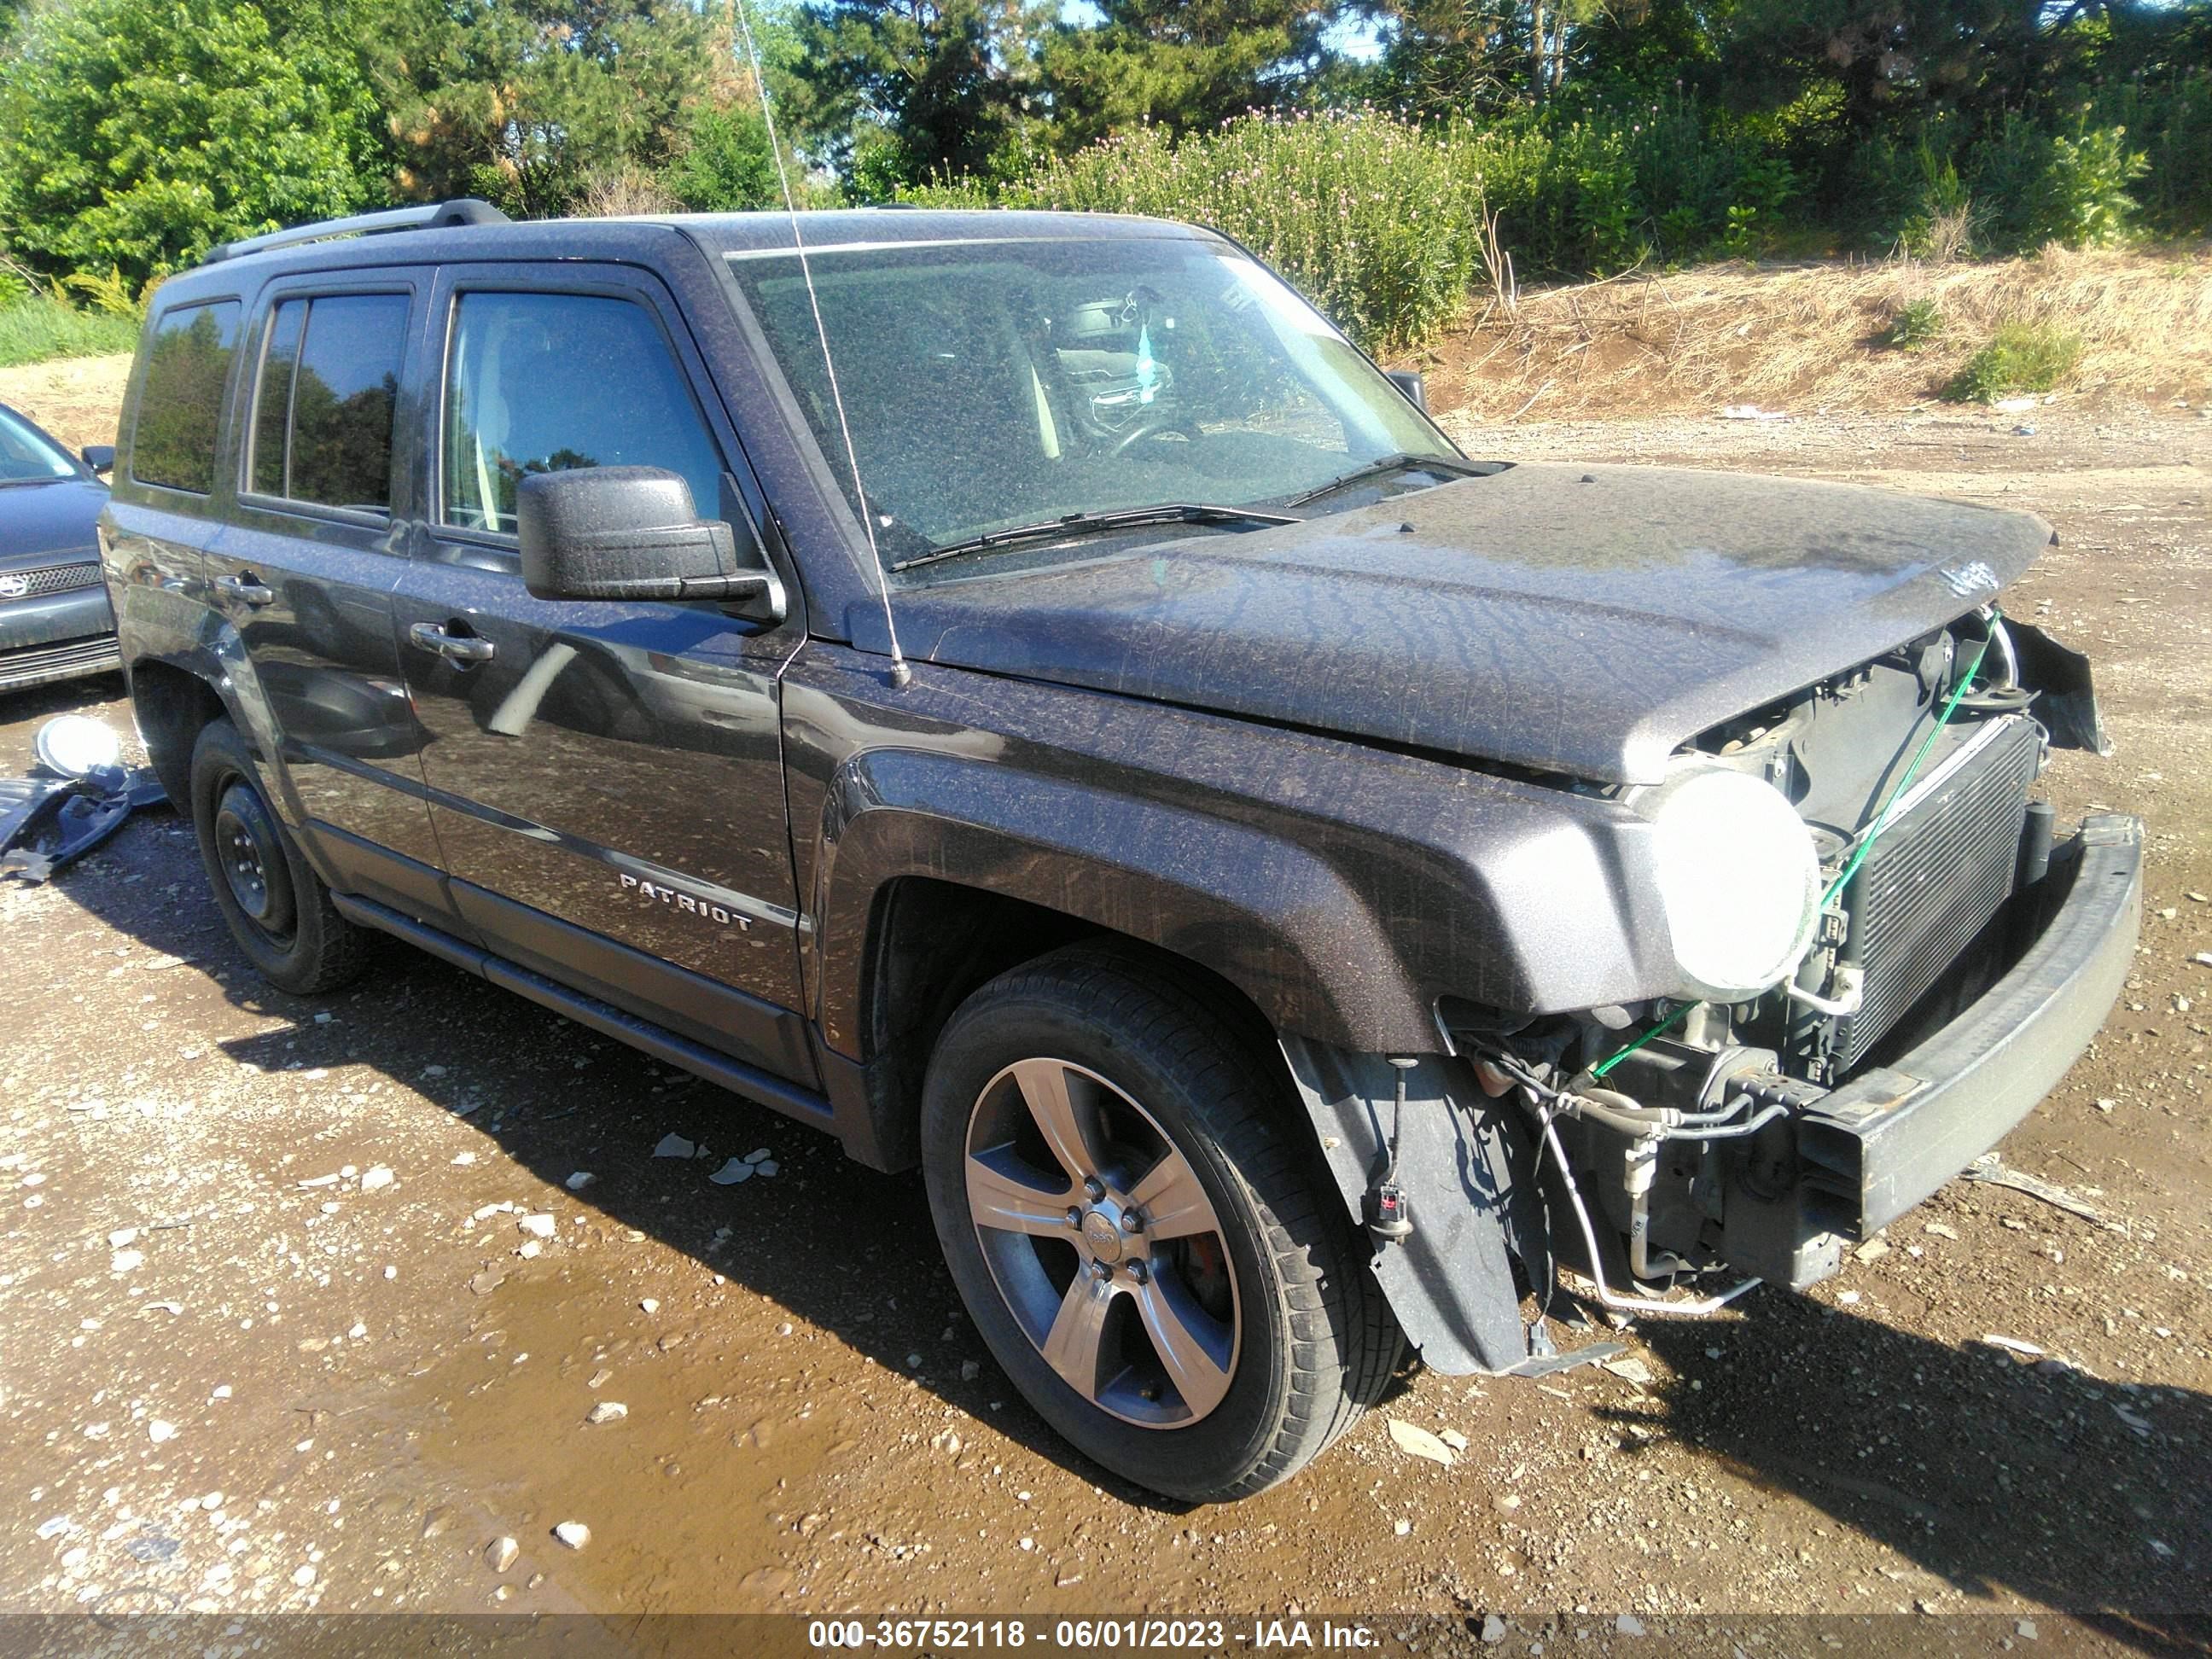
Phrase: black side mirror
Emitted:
{"points": [[1408, 380], [632, 532], [101, 458]]}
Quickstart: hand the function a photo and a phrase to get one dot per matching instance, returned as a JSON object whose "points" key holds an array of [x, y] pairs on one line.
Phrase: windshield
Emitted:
{"points": [[991, 384], [26, 457]]}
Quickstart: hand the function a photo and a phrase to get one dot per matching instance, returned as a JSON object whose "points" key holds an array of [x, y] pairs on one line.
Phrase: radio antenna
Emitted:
{"points": [[901, 674]]}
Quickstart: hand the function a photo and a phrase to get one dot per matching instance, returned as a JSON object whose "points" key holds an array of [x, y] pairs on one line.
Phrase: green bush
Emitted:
{"points": [[1917, 323], [2171, 115], [2019, 358], [34, 329], [2038, 186], [2084, 200], [1944, 222], [728, 165], [1379, 220], [1600, 191], [106, 292], [1370, 216]]}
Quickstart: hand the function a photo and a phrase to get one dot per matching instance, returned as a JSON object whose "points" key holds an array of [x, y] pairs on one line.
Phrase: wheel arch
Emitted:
{"points": [[932, 942], [1272, 918], [171, 706]]}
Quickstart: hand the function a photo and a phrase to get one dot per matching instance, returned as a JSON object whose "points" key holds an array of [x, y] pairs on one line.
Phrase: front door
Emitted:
{"points": [[606, 778]]}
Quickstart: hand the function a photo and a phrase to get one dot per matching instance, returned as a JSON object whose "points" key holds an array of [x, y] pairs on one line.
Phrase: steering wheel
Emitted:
{"points": [[1150, 428]]}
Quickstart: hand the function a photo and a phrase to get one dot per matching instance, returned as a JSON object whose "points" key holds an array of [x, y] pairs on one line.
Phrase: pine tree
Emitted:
{"points": [[1181, 66], [914, 89]]}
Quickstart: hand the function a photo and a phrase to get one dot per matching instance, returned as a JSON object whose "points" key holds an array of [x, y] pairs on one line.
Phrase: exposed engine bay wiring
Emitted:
{"points": [[1648, 1126], [1850, 980]]}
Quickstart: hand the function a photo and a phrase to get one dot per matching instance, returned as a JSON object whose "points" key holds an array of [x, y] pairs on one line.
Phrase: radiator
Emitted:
{"points": [[1946, 862]]}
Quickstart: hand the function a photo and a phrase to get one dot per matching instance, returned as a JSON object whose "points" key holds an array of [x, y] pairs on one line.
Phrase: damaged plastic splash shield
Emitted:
{"points": [[50, 818]]}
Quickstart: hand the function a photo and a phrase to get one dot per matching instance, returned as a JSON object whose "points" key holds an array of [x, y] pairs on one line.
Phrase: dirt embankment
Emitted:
{"points": [[1813, 337], [1807, 338], [76, 398]]}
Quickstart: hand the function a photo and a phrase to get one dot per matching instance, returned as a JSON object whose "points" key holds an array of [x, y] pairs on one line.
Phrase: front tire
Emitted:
{"points": [[276, 908], [1135, 1219]]}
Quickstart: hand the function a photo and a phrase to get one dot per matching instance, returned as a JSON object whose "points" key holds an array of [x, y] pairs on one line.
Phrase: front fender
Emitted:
{"points": [[1270, 918], [1344, 888]]}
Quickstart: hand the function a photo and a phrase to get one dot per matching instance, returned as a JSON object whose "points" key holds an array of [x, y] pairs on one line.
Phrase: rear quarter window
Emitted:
{"points": [[180, 401]]}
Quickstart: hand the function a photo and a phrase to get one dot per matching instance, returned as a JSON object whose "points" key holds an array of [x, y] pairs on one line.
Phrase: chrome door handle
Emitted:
{"points": [[463, 648], [248, 589]]}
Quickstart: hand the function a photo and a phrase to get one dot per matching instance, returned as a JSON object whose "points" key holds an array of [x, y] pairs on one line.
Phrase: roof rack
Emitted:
{"points": [[431, 215]]}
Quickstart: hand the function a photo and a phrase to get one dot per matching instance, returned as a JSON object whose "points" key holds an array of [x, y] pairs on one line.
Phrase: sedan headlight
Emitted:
{"points": [[1738, 875]]}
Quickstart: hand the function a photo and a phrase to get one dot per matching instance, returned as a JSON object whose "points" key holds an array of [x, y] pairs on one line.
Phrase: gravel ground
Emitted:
{"points": [[313, 1304]]}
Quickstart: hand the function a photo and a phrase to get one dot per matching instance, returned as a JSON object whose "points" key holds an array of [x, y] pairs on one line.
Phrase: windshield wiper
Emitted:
{"points": [[1403, 461], [1119, 517]]}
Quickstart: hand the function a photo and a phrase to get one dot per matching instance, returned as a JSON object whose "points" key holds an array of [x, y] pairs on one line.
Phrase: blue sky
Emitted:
{"points": [[1354, 37]]}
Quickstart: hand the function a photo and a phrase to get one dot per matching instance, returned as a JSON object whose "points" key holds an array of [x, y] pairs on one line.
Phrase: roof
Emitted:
{"points": [[749, 232], [455, 237]]}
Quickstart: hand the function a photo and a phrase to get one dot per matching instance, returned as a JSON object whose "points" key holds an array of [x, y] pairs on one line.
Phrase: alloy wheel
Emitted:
{"points": [[1103, 1242]]}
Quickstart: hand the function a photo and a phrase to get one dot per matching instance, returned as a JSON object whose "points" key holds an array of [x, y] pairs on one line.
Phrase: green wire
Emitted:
{"points": [[1623, 1052], [1859, 857], [1906, 782]]}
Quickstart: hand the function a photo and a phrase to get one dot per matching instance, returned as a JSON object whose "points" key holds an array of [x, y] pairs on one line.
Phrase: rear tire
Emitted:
{"points": [[278, 908], [1206, 1325]]}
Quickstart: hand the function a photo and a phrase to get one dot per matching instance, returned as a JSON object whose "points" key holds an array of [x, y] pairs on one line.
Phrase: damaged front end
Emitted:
{"points": [[1960, 955], [1954, 955]]}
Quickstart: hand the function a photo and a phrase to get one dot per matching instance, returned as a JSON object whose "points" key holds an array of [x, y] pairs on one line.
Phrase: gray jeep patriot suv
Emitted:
{"points": [[1022, 693]]}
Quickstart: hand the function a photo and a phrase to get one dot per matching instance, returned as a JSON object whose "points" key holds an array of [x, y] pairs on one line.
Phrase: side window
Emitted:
{"points": [[322, 412], [272, 398], [540, 382], [180, 402]]}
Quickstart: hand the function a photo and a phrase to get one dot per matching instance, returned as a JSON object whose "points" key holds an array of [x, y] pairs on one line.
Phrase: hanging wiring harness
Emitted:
{"points": [[1645, 1128]]}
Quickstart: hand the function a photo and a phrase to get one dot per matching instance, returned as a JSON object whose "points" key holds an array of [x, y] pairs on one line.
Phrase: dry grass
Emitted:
{"points": [[626, 193], [76, 398], [1803, 337]]}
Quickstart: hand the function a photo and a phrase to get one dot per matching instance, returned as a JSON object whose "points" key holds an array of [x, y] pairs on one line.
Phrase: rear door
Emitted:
{"points": [[606, 778], [306, 569]]}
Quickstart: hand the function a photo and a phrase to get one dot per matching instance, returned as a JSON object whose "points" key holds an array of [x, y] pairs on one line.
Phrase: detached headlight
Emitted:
{"points": [[76, 745], [1738, 875]]}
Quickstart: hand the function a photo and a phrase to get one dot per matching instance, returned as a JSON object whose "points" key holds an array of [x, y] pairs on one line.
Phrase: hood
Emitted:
{"points": [[38, 521], [1583, 621]]}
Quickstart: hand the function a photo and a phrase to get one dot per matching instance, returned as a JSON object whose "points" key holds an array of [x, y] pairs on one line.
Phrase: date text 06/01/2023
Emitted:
{"points": [[1087, 1635]]}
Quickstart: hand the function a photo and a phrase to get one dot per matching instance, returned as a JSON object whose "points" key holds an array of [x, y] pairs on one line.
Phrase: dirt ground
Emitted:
{"points": [[76, 398], [283, 1330]]}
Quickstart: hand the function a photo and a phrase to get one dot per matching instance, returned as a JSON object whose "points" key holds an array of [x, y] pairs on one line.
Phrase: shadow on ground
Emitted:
{"points": [[2081, 1494], [828, 1241], [1995, 1473]]}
